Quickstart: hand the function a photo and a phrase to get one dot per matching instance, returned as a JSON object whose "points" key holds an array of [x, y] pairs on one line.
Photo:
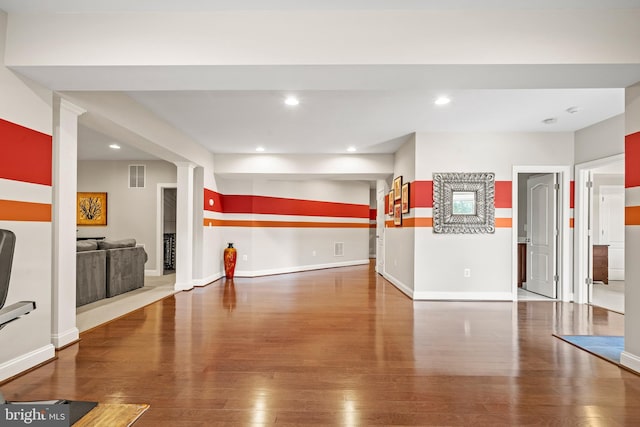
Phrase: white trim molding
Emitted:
{"points": [[463, 296], [65, 338], [398, 284], [208, 280], [630, 361], [300, 268], [27, 361]]}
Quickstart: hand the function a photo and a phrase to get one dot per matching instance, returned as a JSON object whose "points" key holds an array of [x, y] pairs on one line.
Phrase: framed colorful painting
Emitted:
{"points": [[405, 198], [397, 215], [91, 209], [397, 188]]}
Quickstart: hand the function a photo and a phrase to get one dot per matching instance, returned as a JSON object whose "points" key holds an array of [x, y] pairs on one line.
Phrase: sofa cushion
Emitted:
{"points": [[125, 270], [91, 276], [86, 245], [116, 244]]}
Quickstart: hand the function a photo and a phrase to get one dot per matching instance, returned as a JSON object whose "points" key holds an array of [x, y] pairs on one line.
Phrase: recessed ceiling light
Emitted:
{"points": [[351, 149], [260, 149], [291, 100], [573, 110], [114, 146], [550, 121], [442, 100]]}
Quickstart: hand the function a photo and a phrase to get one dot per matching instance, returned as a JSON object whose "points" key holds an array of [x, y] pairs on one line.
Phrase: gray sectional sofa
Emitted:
{"points": [[106, 268]]}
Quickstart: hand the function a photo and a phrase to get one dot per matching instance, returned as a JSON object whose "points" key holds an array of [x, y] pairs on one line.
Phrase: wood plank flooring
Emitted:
{"points": [[343, 347]]}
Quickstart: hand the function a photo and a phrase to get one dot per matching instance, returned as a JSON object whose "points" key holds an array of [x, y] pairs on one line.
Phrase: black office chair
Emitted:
{"points": [[16, 310]]}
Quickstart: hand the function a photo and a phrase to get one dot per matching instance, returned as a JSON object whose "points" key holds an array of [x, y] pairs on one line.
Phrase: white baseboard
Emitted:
{"points": [[206, 280], [27, 361], [155, 272], [464, 296], [299, 268], [631, 361], [398, 284], [65, 338], [180, 286]]}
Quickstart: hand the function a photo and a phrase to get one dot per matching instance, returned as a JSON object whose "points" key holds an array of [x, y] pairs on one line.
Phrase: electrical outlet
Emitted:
{"points": [[467, 272], [245, 258]]}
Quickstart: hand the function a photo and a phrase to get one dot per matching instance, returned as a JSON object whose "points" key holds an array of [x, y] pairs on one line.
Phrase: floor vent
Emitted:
{"points": [[338, 249]]}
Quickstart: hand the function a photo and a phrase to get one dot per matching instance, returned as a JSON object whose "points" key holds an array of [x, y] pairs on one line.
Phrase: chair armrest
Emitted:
{"points": [[14, 311]]}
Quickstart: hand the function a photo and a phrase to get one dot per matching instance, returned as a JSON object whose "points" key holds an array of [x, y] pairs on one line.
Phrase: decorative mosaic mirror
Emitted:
{"points": [[463, 202]]}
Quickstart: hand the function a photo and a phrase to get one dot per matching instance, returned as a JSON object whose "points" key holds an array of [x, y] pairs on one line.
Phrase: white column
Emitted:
{"points": [[65, 183], [184, 227], [630, 357]]}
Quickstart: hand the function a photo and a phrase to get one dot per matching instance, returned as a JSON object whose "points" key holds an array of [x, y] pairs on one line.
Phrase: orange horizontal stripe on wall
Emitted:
{"points": [[503, 222], [428, 222], [11, 210], [632, 215], [632, 160], [25, 154], [282, 224]]}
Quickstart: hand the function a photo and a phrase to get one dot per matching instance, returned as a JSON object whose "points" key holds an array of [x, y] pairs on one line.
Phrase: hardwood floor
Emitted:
{"points": [[343, 347]]}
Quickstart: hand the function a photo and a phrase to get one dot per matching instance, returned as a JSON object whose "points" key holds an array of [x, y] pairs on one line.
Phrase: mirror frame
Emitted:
{"points": [[445, 184]]}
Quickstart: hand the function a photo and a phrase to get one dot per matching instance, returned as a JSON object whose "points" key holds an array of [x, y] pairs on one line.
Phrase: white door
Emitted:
{"points": [[612, 227], [541, 235], [380, 217]]}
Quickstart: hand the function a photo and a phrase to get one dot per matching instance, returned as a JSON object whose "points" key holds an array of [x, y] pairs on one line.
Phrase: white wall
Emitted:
{"points": [[26, 342], [270, 250], [399, 241], [600, 140], [442, 258], [131, 212]]}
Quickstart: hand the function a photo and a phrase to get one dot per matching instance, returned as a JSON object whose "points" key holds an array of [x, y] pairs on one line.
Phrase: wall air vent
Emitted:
{"points": [[338, 249], [136, 176]]}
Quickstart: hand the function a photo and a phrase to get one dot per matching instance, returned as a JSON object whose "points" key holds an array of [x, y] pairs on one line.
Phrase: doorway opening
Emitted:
{"points": [[541, 269], [166, 229], [600, 202]]}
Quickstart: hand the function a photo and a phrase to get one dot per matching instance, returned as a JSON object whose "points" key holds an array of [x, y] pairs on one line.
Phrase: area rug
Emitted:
{"points": [[112, 415], [606, 347]]}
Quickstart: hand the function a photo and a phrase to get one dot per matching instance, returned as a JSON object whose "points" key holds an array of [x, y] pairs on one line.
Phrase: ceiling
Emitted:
{"points": [[371, 121], [371, 108]]}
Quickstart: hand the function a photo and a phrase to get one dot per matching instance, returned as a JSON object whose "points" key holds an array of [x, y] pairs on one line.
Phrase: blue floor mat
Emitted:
{"points": [[607, 347]]}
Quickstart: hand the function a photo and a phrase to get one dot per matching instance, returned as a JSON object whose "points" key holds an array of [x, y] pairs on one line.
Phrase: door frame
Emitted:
{"points": [[564, 290], [581, 248]]}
